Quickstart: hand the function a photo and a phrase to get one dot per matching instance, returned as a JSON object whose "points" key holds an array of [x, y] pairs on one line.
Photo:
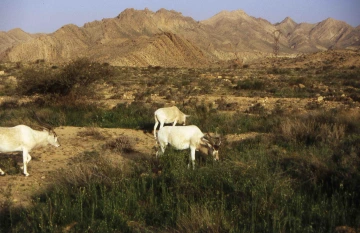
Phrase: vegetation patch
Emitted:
{"points": [[75, 77], [121, 144], [300, 174]]}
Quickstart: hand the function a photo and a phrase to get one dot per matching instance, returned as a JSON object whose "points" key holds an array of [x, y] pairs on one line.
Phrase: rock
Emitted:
{"points": [[320, 99]]}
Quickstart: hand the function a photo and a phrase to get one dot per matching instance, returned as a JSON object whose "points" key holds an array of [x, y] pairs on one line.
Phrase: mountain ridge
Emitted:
{"points": [[167, 38]]}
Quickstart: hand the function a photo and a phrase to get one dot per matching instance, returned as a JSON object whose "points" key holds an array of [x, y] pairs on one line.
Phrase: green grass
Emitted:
{"points": [[135, 116], [249, 192], [265, 184]]}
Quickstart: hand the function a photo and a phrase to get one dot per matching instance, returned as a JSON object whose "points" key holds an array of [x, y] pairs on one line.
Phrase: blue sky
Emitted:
{"points": [[49, 15]]}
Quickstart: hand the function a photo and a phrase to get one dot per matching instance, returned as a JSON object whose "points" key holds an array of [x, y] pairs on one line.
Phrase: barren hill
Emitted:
{"points": [[167, 38], [11, 38]]}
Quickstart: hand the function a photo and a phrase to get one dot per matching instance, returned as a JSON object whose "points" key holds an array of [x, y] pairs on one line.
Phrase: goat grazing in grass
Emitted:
{"points": [[23, 138], [168, 115], [185, 137]]}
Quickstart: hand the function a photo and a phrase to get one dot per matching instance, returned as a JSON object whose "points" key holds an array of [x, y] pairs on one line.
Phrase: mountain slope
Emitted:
{"points": [[167, 38], [331, 33], [11, 38], [242, 32], [163, 49]]}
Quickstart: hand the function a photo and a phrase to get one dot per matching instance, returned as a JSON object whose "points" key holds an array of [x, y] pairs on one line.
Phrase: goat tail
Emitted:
{"points": [[155, 117]]}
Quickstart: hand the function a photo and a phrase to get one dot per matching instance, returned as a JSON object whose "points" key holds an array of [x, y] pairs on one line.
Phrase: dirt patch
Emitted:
{"points": [[74, 141], [18, 188]]}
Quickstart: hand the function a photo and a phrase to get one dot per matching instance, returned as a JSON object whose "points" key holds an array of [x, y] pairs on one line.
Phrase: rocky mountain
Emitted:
{"points": [[11, 38], [167, 38], [241, 32]]}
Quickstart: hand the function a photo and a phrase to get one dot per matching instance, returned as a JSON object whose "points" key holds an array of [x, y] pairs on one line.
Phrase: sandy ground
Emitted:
{"points": [[48, 159], [18, 189]]}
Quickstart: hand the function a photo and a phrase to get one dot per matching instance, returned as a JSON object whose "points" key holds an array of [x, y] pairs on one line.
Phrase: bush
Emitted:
{"points": [[76, 77], [121, 144], [92, 132], [249, 84], [258, 108], [9, 104], [36, 81], [310, 131]]}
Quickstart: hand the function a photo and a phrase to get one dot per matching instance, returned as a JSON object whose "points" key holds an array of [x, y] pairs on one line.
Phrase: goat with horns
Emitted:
{"points": [[23, 138], [185, 137]]}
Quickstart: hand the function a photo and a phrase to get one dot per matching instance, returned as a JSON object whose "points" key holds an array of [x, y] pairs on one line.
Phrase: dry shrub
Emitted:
{"points": [[77, 77], [92, 131], [9, 104], [70, 100], [80, 175], [223, 105], [311, 131], [258, 108], [313, 105], [200, 219], [121, 144], [89, 167], [250, 84], [351, 119], [331, 133], [9, 165]]}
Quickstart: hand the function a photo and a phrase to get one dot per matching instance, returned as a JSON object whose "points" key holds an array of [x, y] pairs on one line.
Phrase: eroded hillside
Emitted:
{"points": [[167, 38]]}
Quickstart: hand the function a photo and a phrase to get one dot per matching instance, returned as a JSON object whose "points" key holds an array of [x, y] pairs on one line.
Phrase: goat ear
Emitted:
{"points": [[187, 115]]}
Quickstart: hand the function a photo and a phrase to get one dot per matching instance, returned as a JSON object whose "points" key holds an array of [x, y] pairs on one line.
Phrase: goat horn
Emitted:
{"points": [[46, 126], [210, 139]]}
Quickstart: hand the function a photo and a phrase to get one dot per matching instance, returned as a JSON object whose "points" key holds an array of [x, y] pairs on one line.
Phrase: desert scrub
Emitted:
{"points": [[210, 119], [283, 71], [250, 84], [92, 131], [319, 127], [9, 165], [77, 76], [122, 144]]}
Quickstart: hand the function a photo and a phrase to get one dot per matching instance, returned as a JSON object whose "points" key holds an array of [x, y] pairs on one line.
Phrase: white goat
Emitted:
{"points": [[184, 137], [168, 115], [23, 138]]}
